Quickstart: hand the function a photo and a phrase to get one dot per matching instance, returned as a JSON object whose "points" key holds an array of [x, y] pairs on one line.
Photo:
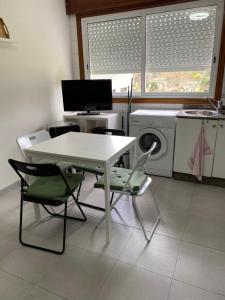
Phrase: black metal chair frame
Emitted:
{"points": [[55, 131], [43, 170]]}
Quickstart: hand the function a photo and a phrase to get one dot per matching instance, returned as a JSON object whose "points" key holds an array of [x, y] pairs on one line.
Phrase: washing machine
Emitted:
{"points": [[155, 126]]}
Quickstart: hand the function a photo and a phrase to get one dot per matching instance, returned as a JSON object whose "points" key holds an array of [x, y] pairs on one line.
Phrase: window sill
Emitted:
{"points": [[189, 101]]}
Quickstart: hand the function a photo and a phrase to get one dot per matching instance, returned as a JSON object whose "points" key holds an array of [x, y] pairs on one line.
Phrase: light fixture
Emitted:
{"points": [[4, 33], [196, 16]]}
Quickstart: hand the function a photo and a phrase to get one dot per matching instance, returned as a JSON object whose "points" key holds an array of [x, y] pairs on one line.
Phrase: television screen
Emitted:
{"points": [[87, 95]]}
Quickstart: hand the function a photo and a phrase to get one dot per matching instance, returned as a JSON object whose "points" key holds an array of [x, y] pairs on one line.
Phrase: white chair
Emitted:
{"points": [[35, 138], [32, 139], [133, 182]]}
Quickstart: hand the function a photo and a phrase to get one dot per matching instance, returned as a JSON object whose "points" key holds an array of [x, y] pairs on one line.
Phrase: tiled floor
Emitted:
{"points": [[184, 261]]}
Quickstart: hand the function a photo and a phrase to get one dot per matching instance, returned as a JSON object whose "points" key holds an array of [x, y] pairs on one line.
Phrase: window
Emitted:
{"points": [[168, 51], [115, 51]]}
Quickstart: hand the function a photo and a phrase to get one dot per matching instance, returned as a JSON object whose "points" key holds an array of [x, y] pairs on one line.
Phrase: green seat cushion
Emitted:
{"points": [[53, 187], [118, 178]]}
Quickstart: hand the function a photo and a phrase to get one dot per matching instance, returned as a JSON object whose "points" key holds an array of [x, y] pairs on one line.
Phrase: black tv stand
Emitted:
{"points": [[89, 113]]}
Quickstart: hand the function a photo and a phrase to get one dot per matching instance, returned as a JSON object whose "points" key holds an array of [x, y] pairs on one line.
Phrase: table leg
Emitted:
{"points": [[107, 202], [36, 207], [133, 156]]}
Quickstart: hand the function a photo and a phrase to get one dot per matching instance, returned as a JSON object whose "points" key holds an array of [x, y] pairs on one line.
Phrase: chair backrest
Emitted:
{"points": [[144, 157], [38, 170], [32, 139], [140, 164], [59, 130], [101, 130]]}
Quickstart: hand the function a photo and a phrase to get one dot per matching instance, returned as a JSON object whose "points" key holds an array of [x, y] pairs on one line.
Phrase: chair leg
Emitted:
{"points": [[81, 210], [148, 239], [111, 200], [58, 215], [78, 192], [21, 220], [64, 227], [38, 247]]}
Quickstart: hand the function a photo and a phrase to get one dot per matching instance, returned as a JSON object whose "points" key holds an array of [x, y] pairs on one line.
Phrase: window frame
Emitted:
{"points": [[143, 13]]}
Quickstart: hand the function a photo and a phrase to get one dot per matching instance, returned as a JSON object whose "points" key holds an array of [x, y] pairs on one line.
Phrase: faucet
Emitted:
{"points": [[217, 107]]}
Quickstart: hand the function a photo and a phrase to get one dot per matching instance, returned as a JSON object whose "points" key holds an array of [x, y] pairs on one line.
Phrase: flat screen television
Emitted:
{"points": [[89, 95]]}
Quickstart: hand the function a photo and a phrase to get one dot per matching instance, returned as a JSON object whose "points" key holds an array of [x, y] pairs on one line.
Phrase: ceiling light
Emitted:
{"points": [[196, 16]]}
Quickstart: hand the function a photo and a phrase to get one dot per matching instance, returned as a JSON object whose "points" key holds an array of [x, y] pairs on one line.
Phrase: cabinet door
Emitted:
{"points": [[187, 132], [219, 160]]}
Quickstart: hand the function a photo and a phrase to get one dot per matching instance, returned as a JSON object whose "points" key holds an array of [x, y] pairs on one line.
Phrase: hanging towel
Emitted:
{"points": [[196, 161]]}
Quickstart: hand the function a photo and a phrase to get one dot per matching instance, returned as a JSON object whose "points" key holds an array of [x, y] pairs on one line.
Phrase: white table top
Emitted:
{"points": [[93, 147]]}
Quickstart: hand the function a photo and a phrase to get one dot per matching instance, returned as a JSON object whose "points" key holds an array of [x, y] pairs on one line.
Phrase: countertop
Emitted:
{"points": [[183, 114]]}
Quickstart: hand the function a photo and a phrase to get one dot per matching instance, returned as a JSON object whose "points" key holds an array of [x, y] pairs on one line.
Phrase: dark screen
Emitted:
{"points": [[81, 95]]}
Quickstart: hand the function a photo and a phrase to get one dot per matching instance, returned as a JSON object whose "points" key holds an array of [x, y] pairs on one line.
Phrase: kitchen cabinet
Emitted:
{"points": [[219, 160], [187, 132]]}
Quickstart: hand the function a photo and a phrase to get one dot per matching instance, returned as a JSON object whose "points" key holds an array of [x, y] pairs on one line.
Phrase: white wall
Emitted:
{"points": [[31, 71]]}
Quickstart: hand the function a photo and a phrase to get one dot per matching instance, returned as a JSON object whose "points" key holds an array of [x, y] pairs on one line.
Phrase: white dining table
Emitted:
{"points": [[86, 149]]}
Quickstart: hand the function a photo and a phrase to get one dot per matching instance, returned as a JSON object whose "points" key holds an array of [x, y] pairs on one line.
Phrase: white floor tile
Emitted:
{"points": [[128, 282], [78, 274], [206, 206], [40, 294], [170, 185], [9, 239], [27, 263], [172, 200], [12, 287], [93, 238], [201, 267], [183, 291], [209, 191], [172, 223], [205, 231], [159, 255]]}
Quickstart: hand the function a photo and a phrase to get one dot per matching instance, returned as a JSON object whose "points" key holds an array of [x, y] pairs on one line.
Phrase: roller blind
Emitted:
{"points": [[180, 40], [115, 46]]}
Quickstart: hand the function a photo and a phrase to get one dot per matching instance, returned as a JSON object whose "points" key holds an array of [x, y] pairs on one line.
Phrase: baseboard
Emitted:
{"points": [[10, 187], [205, 180], [164, 173]]}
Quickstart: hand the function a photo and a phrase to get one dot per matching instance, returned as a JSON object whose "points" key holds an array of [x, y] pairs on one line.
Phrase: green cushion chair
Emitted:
{"points": [[133, 182], [50, 187]]}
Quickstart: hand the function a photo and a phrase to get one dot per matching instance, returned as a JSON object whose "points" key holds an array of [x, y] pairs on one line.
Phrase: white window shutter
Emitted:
{"points": [[115, 46], [175, 42]]}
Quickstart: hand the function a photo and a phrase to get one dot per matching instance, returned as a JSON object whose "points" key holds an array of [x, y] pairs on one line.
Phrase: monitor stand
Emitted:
{"points": [[89, 113]]}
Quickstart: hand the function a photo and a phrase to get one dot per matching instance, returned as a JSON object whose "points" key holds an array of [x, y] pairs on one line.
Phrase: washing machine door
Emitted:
{"points": [[146, 137]]}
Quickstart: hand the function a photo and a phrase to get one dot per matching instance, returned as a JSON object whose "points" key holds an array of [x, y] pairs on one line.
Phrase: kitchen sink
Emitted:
{"points": [[192, 112], [199, 112], [209, 113]]}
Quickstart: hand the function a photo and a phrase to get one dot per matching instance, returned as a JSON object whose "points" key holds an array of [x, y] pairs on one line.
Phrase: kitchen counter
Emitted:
{"points": [[200, 114]]}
